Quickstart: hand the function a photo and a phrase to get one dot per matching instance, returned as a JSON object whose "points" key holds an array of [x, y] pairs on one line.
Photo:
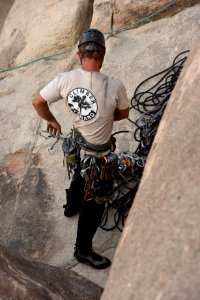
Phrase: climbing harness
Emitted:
{"points": [[83, 144], [96, 170]]}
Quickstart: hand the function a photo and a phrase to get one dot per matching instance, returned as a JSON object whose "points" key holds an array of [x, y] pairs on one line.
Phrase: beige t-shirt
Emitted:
{"points": [[92, 97]]}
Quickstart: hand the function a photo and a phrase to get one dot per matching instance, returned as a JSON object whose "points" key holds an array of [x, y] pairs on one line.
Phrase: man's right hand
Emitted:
{"points": [[54, 128], [42, 108]]}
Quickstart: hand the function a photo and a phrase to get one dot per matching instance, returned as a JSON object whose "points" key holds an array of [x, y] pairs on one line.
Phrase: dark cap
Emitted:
{"points": [[92, 35]]}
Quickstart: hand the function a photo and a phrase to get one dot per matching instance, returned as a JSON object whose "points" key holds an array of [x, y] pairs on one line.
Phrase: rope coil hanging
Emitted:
{"points": [[151, 103]]}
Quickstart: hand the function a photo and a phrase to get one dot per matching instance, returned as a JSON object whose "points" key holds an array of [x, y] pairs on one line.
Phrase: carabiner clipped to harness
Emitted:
{"points": [[109, 166], [89, 171], [70, 150]]}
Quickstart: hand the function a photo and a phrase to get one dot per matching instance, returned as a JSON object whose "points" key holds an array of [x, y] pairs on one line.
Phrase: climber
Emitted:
{"points": [[96, 101]]}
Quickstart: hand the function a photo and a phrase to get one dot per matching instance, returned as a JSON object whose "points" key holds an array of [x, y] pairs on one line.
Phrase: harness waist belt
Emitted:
{"points": [[98, 148], [88, 146]]}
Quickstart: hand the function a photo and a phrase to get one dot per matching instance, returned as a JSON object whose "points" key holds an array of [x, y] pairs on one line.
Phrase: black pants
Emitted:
{"points": [[89, 220], [90, 213]]}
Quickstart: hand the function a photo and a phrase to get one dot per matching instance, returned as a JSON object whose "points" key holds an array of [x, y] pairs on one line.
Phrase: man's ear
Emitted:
{"points": [[80, 57], [79, 54]]}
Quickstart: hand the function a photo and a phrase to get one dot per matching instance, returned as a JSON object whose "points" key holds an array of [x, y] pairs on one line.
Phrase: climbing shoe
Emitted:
{"points": [[92, 259], [73, 204], [70, 211]]}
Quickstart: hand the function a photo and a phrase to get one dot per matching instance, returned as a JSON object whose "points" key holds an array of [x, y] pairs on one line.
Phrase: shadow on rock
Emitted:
{"points": [[23, 279], [25, 201]]}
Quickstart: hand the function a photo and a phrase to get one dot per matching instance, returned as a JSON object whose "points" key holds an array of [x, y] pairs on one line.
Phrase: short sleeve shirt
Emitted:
{"points": [[92, 98]]}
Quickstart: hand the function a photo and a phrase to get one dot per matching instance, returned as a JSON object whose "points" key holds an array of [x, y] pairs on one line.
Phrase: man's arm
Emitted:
{"points": [[42, 108], [121, 114]]}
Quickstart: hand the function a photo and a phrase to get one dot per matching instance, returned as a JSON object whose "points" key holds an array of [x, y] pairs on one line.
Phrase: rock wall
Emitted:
{"points": [[5, 6], [23, 279], [33, 182], [33, 30], [158, 255], [119, 14]]}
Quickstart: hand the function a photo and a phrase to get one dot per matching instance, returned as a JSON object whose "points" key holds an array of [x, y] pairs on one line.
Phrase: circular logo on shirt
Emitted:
{"points": [[82, 102]]}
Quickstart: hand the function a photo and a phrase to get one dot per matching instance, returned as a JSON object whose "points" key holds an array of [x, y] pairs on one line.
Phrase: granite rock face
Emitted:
{"points": [[33, 179], [24, 225], [5, 6], [158, 255], [23, 279], [119, 14], [32, 30]]}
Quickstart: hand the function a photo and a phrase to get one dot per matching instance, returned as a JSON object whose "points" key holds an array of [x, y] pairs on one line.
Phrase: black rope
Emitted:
{"points": [[150, 103]]}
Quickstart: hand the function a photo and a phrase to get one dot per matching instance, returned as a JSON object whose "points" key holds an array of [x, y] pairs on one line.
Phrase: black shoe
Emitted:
{"points": [[93, 259], [70, 210]]}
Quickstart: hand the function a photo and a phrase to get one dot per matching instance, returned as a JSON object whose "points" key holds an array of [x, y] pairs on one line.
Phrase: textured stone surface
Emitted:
{"points": [[32, 30], [25, 202], [5, 6], [119, 13], [30, 175], [23, 279], [158, 255]]}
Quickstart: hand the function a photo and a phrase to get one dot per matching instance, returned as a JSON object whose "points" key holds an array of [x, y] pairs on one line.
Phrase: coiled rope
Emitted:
{"points": [[151, 103]]}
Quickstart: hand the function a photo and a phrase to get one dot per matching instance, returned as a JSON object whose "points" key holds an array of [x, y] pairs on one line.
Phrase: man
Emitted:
{"points": [[96, 101]]}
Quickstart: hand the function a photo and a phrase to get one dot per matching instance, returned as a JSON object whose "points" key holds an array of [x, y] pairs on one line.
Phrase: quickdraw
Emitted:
{"points": [[99, 175], [130, 161], [109, 166], [71, 152], [89, 171]]}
